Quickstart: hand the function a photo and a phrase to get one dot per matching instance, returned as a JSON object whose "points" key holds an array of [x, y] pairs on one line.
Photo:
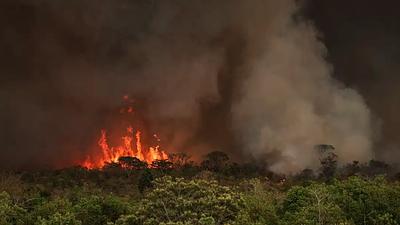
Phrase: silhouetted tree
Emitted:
{"points": [[179, 159], [328, 160], [351, 169], [162, 165], [375, 168], [328, 166], [233, 169], [145, 180], [111, 165], [215, 161], [305, 175], [132, 163], [324, 148]]}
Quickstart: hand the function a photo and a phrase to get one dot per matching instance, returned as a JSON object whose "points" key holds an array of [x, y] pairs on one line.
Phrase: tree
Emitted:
{"points": [[132, 163], [328, 160], [324, 148], [368, 202], [329, 166], [375, 168], [145, 180], [311, 205], [305, 176], [10, 213], [179, 159], [215, 161], [351, 169], [53, 211], [162, 165], [99, 210], [259, 206], [59, 219], [179, 201]]}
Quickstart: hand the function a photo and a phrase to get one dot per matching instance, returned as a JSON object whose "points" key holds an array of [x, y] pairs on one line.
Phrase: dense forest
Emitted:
{"points": [[214, 191], [112, 112]]}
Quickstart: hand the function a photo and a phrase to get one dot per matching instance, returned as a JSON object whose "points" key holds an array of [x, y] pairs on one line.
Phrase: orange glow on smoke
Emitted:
{"points": [[130, 145]]}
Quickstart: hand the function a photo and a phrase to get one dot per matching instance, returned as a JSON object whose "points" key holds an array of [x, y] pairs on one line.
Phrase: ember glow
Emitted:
{"points": [[127, 148]]}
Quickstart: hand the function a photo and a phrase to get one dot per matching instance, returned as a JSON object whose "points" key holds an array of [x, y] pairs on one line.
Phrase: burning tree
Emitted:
{"points": [[132, 163]]}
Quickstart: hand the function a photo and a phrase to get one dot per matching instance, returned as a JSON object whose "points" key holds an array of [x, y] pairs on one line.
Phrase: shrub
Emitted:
{"points": [[59, 219], [10, 213], [179, 201], [259, 206], [368, 201], [98, 210], [311, 205]]}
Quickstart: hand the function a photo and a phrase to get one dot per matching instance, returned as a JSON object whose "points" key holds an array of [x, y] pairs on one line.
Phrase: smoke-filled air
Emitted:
{"points": [[147, 78]]}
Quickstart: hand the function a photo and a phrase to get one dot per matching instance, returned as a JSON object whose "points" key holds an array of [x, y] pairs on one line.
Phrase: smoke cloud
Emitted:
{"points": [[245, 77]]}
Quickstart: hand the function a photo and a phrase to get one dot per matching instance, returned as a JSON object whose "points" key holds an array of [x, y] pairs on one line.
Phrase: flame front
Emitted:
{"points": [[126, 149]]}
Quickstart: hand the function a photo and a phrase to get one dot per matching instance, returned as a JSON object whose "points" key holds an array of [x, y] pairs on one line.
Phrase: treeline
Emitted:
{"points": [[131, 173], [173, 201], [214, 191]]}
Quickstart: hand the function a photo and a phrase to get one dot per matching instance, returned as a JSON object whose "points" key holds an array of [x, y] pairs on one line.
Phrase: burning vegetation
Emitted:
{"points": [[129, 146], [107, 154]]}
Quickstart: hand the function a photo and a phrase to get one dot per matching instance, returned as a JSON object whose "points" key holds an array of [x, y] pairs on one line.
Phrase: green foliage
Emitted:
{"points": [[81, 197], [10, 213], [97, 210], [311, 205], [59, 219], [259, 206], [368, 202], [179, 201], [48, 212]]}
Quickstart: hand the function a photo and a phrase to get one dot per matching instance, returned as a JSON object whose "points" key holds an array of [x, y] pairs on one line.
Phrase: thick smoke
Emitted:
{"points": [[366, 58], [291, 103], [245, 77]]}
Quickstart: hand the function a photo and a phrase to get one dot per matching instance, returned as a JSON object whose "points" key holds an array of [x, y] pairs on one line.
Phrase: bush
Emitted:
{"points": [[178, 201], [311, 205], [48, 212], [10, 213], [59, 219], [98, 210], [259, 206], [368, 201]]}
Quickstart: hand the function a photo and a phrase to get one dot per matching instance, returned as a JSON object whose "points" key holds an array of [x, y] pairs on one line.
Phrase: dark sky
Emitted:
{"points": [[362, 38], [73, 36]]}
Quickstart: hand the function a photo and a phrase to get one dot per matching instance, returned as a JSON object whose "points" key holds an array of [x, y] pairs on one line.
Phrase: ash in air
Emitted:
{"points": [[246, 77]]}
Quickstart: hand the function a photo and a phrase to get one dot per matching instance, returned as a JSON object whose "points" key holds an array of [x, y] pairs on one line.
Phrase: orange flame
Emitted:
{"points": [[130, 146], [126, 149]]}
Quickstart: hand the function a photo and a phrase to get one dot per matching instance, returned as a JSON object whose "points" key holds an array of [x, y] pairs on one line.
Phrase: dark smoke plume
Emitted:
{"points": [[245, 77]]}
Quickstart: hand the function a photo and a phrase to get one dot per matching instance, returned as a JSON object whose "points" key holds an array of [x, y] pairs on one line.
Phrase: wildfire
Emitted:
{"points": [[128, 148], [130, 145]]}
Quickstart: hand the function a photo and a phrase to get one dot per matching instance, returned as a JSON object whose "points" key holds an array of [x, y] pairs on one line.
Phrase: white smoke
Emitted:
{"points": [[290, 102]]}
